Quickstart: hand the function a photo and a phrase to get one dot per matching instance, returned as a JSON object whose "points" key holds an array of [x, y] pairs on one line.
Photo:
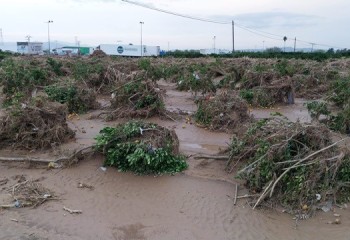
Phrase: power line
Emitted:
{"points": [[257, 33], [176, 14], [248, 29]]}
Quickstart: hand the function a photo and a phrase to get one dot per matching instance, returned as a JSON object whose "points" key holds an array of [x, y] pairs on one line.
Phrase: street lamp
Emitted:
{"points": [[141, 23], [48, 34]]}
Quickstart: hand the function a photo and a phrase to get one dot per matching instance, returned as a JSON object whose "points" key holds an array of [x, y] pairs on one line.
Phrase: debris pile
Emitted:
{"points": [[98, 54], [223, 112], [136, 98], [290, 163], [34, 127], [29, 193]]}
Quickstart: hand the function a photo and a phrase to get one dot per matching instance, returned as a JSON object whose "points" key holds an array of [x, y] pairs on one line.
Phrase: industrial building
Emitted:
{"points": [[32, 48]]}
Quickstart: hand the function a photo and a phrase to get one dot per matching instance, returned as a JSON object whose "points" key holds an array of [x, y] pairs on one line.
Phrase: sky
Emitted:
{"points": [[94, 22]]}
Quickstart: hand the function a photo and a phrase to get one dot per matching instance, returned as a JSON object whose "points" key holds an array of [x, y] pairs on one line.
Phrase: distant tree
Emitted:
{"points": [[284, 39], [273, 50], [330, 51]]}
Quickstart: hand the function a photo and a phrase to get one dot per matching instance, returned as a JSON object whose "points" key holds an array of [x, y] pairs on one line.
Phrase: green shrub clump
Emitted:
{"points": [[143, 148], [77, 100]]}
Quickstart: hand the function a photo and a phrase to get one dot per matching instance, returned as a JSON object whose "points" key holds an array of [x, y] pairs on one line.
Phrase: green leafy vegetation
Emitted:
{"points": [[143, 148], [55, 66], [20, 76], [284, 68], [340, 92], [77, 100], [316, 109]]}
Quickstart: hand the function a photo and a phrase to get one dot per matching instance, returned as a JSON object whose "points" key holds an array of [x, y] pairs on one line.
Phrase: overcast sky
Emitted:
{"points": [[111, 21]]}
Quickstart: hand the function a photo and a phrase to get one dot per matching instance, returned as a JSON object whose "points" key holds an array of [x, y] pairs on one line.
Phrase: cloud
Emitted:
{"points": [[260, 20]]}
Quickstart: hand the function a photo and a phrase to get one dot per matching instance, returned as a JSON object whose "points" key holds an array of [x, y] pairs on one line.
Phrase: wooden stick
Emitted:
{"points": [[262, 195], [303, 160], [247, 196], [39, 160], [8, 206], [71, 211], [215, 157], [236, 192]]}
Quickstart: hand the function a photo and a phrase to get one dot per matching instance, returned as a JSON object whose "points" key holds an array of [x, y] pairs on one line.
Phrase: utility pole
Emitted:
{"points": [[141, 23], [214, 44], [295, 43], [312, 46], [1, 38], [233, 37]]}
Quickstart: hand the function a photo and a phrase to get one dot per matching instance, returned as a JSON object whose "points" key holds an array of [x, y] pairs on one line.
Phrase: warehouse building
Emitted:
{"points": [[32, 48]]}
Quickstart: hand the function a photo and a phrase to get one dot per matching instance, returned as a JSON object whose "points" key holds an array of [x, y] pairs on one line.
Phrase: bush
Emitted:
{"points": [[143, 148], [341, 91], [55, 66], [77, 100], [315, 109], [19, 76], [285, 68], [247, 94]]}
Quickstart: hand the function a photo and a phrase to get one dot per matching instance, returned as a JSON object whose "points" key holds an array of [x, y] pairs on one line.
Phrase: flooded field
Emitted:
{"points": [[196, 204]]}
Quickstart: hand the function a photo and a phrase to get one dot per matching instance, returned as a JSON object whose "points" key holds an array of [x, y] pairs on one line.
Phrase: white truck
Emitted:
{"points": [[129, 50]]}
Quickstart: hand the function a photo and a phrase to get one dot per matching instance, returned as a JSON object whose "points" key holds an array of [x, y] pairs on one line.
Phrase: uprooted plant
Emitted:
{"points": [[78, 100], [19, 78], [136, 98], [224, 112], [290, 163], [34, 126], [143, 148], [338, 119]]}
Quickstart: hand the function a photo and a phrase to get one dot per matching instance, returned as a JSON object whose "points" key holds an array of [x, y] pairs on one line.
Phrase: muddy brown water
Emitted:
{"points": [[196, 204]]}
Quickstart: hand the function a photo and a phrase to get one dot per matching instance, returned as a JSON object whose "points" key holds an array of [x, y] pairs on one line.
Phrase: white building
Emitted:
{"points": [[30, 48], [214, 51]]}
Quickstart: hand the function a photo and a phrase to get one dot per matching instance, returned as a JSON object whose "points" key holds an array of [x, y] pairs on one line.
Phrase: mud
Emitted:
{"points": [[197, 204]]}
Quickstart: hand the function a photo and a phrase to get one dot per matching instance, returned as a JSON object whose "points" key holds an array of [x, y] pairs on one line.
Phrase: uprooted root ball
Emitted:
{"points": [[143, 148], [32, 127]]}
